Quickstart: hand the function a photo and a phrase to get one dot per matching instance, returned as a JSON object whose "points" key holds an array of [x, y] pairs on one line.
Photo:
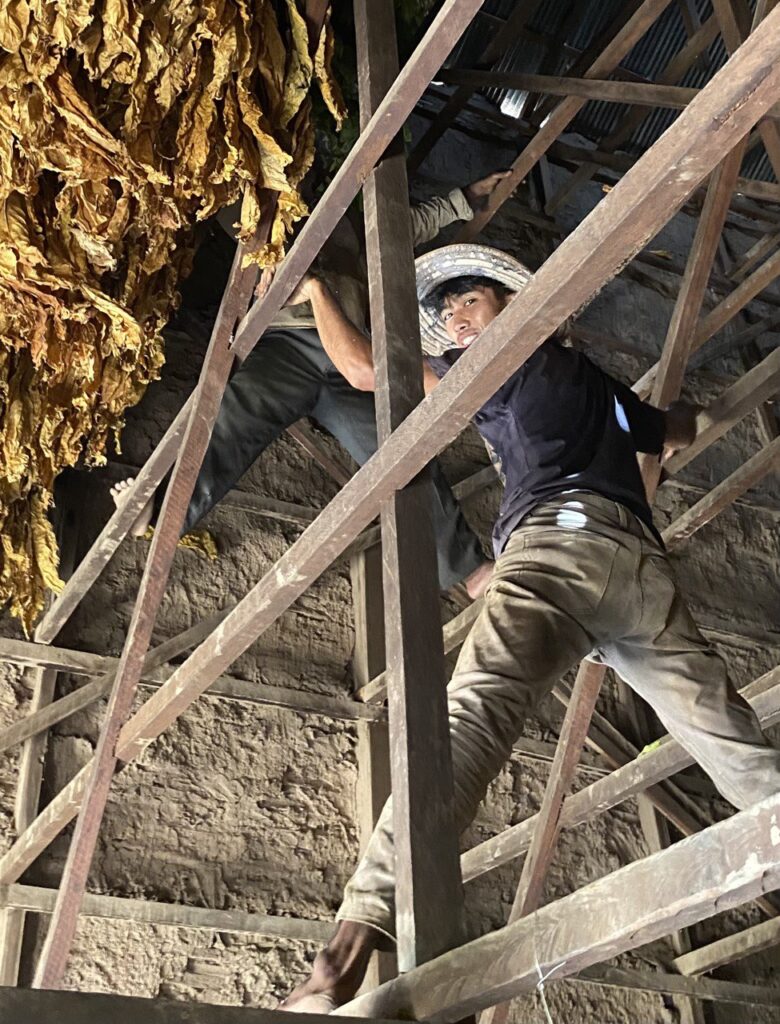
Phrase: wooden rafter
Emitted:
{"points": [[721, 867]]}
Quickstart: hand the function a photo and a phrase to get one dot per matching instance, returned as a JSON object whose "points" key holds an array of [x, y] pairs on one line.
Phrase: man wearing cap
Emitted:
{"points": [[289, 375], [580, 572]]}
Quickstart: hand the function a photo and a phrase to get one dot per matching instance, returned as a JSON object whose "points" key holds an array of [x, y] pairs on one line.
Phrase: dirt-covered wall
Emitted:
{"points": [[247, 806]]}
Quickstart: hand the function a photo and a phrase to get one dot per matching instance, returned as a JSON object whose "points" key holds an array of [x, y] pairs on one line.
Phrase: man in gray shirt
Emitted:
{"points": [[289, 375]]}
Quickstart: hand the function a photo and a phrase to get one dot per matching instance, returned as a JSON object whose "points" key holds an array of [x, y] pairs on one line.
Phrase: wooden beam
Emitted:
{"points": [[720, 497], [20, 1006], [214, 375], [38, 900], [733, 947], [728, 308], [647, 94], [675, 985], [646, 15], [428, 888], [757, 252], [11, 935], [647, 769], [373, 741], [502, 39], [308, 440], [719, 868], [530, 889], [678, 66], [757, 386], [728, 13], [617, 228], [453, 634]]}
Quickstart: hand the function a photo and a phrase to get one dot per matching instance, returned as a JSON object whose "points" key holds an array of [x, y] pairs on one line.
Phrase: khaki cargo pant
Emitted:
{"points": [[580, 575]]}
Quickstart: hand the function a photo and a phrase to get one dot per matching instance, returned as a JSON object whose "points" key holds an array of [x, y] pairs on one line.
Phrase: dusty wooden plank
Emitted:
{"points": [[27, 653], [757, 252], [729, 14], [308, 440], [39, 900], [733, 947], [721, 867], [647, 94], [453, 634], [368, 606], [214, 375], [20, 1006], [373, 740], [634, 777], [675, 985], [720, 497], [11, 935], [757, 386], [115, 530], [687, 308], [617, 228], [428, 888], [750, 287], [647, 13], [530, 888]]}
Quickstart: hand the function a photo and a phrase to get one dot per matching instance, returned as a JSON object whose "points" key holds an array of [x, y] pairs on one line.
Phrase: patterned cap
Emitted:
{"points": [[460, 260]]}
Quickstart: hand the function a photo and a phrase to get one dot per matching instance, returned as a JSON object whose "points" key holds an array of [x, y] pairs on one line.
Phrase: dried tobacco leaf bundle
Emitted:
{"points": [[121, 125]]}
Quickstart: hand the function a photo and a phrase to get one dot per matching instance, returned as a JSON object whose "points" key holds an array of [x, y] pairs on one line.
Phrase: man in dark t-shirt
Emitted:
{"points": [[580, 573]]}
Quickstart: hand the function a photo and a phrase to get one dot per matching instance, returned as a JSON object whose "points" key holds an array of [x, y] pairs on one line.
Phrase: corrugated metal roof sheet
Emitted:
{"points": [[577, 23]]}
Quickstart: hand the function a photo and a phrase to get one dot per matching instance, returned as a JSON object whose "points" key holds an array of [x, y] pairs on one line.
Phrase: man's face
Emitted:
{"points": [[466, 316]]}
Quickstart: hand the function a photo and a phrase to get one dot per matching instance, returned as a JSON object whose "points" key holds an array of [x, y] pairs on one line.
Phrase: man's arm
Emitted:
{"points": [[348, 348], [433, 215], [657, 431]]}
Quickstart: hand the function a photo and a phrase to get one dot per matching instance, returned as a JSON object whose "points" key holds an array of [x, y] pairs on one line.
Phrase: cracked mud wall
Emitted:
{"points": [[242, 805]]}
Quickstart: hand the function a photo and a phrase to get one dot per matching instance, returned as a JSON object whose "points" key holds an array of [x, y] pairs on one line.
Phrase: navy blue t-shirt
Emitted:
{"points": [[561, 424]]}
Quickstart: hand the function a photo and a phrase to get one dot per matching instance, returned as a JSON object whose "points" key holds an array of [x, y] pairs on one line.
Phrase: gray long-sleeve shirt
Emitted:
{"points": [[342, 263]]}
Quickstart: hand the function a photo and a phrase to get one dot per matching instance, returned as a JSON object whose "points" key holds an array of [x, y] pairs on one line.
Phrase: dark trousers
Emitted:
{"points": [[288, 375]]}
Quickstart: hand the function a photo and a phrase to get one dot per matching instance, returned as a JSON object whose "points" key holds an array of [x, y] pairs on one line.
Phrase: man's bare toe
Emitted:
{"points": [[121, 492]]}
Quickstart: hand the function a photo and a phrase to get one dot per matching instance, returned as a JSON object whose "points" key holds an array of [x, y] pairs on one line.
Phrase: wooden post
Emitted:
{"points": [[429, 897]]}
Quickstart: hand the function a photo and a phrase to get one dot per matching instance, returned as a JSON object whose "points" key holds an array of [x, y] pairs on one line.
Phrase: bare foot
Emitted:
{"points": [[476, 583], [337, 972], [120, 492]]}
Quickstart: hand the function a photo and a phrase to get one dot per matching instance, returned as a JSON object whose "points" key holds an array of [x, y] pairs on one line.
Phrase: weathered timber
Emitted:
{"points": [[503, 38], [757, 386], [647, 94], [208, 397], [678, 66], [635, 777], [428, 888], [530, 888], [35, 899], [721, 867], [726, 492], [675, 985], [733, 947], [20, 1006]]}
